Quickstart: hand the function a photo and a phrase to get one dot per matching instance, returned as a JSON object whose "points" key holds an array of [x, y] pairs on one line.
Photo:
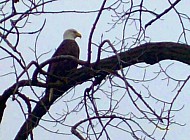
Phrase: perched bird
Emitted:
{"points": [[59, 69]]}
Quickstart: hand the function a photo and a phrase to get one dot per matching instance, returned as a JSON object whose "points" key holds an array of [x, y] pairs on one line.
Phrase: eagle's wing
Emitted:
{"points": [[61, 68]]}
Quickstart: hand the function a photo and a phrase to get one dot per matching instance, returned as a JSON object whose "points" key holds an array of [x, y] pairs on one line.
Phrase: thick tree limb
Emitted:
{"points": [[150, 53]]}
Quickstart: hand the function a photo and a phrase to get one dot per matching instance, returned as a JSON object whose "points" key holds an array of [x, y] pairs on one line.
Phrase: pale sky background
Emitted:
{"points": [[167, 29]]}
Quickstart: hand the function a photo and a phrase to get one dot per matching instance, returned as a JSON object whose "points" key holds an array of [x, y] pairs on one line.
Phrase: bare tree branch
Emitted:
{"points": [[150, 53]]}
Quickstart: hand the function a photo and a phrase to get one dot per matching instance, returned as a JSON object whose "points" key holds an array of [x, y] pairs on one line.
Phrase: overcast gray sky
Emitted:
{"points": [[166, 29]]}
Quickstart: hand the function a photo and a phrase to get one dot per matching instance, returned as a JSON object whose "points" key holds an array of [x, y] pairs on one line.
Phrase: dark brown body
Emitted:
{"points": [[61, 68]]}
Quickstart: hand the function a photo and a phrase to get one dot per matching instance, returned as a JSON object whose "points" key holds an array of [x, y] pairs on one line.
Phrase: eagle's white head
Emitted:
{"points": [[71, 34]]}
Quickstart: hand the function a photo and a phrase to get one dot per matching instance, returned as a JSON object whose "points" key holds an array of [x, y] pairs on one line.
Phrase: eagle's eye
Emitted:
{"points": [[74, 32]]}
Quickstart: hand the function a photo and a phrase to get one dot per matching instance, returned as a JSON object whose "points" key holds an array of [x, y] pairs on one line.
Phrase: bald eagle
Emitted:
{"points": [[61, 68]]}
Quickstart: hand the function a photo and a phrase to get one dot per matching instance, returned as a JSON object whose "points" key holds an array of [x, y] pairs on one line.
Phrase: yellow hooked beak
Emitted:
{"points": [[78, 35]]}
